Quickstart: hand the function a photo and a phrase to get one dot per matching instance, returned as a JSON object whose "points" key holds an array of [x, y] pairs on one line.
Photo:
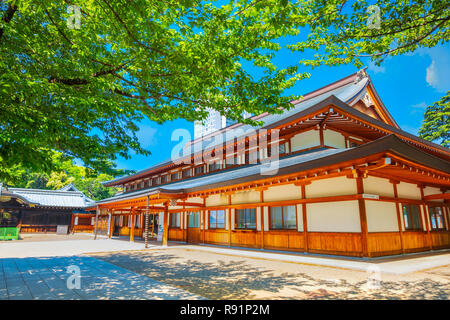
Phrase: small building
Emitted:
{"points": [[38, 210], [334, 174]]}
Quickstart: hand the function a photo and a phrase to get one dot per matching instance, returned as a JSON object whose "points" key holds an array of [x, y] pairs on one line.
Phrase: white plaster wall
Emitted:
{"points": [[283, 192], [381, 216], [258, 218], [245, 197], [233, 215], [266, 219], [342, 216], [408, 190], [430, 190], [227, 213], [300, 217], [379, 186], [338, 186], [305, 140], [217, 200], [333, 139], [195, 199]]}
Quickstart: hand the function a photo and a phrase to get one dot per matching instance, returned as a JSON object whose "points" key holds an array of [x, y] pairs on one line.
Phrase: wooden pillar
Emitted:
{"points": [[133, 221], [166, 225], [261, 208], [146, 225], [71, 224], [203, 225], [111, 223], [399, 217], [425, 216], [362, 216], [97, 211], [229, 220], [305, 222]]}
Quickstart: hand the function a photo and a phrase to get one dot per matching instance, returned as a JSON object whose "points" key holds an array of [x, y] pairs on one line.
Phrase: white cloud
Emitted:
{"points": [[438, 72], [419, 107], [375, 69]]}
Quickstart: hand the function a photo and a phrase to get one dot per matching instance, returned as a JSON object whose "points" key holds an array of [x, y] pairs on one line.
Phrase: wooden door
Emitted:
{"points": [[193, 230]]}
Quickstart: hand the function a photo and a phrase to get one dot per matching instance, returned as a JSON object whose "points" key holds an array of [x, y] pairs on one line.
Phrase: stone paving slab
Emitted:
{"points": [[47, 278], [64, 248], [403, 266]]}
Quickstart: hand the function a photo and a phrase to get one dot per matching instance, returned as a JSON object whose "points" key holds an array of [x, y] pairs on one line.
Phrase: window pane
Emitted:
{"points": [[212, 219], [191, 220], [406, 216], [276, 218], [291, 217], [220, 219], [240, 218], [197, 220], [251, 218], [415, 211]]}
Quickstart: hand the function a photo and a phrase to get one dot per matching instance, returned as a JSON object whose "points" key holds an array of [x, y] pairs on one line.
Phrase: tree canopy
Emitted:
{"points": [[65, 172], [77, 77], [79, 84], [436, 123]]}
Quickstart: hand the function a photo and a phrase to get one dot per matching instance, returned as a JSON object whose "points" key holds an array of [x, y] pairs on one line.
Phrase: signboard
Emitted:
{"points": [[370, 196]]}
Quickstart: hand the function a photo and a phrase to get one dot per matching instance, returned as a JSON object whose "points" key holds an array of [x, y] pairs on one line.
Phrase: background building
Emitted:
{"points": [[214, 122]]}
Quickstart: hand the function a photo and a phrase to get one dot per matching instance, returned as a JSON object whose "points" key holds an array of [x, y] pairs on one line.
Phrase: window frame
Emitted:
{"points": [[193, 214], [246, 226], [283, 218], [177, 173], [210, 225], [430, 213], [200, 174], [409, 205], [166, 176], [177, 222], [218, 163]]}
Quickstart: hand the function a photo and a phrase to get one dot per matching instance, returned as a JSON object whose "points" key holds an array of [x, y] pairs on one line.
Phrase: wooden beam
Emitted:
{"points": [[97, 211], [399, 218], [426, 216], [362, 216], [133, 221], [443, 196], [261, 208], [305, 221], [166, 225]]}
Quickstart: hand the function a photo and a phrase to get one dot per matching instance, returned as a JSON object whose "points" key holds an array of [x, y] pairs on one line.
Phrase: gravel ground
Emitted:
{"points": [[219, 276]]}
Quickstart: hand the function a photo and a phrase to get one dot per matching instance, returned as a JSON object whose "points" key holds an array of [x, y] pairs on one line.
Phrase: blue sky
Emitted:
{"points": [[406, 84]]}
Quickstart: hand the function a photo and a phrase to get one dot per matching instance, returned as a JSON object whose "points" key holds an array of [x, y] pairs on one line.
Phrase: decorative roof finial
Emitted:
{"points": [[361, 74]]}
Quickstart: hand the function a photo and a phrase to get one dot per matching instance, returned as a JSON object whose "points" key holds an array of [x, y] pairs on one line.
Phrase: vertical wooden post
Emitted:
{"points": [[399, 217], [362, 215], [111, 223], [304, 216], [133, 222], [71, 224], [229, 220], [166, 225], [261, 208], [146, 225], [425, 216], [96, 222]]}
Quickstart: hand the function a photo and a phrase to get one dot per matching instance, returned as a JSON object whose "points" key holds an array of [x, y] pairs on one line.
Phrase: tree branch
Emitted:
{"points": [[12, 8]]}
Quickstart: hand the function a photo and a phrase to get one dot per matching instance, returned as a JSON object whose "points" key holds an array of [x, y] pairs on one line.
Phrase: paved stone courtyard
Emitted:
{"points": [[221, 276], [36, 268], [47, 278]]}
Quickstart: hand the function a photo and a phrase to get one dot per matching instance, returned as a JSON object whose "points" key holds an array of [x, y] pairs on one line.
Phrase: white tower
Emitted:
{"points": [[214, 122]]}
